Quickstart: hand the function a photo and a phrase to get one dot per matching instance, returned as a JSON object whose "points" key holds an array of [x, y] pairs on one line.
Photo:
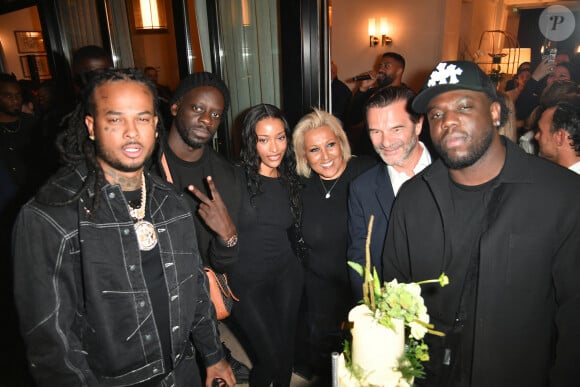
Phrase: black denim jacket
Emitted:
{"points": [[83, 303]]}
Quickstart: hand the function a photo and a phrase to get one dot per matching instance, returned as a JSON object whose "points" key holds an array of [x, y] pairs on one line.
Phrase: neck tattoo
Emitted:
{"points": [[328, 191], [146, 234]]}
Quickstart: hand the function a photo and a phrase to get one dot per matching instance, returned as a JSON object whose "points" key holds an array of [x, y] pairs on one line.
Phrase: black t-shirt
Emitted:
{"points": [[184, 173], [19, 151], [324, 221], [154, 278], [465, 229], [263, 234]]}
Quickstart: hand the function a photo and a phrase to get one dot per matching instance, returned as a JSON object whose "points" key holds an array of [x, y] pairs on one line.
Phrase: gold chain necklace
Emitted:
{"points": [[146, 234], [139, 213]]}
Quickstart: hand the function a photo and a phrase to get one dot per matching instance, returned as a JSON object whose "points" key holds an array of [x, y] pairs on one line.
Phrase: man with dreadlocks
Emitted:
{"points": [[187, 160], [109, 284]]}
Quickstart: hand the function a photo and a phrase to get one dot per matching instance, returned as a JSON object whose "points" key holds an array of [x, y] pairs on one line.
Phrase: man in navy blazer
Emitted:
{"points": [[394, 132]]}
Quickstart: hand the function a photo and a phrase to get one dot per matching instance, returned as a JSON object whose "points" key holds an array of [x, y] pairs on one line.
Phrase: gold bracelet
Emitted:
{"points": [[231, 241]]}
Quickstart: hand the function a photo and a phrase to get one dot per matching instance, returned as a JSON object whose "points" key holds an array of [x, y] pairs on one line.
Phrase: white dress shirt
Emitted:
{"points": [[575, 167], [398, 178]]}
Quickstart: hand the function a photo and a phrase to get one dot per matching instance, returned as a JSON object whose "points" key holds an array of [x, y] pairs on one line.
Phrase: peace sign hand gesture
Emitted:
{"points": [[214, 211]]}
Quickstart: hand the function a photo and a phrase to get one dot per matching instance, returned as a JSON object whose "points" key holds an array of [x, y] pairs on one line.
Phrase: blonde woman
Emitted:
{"points": [[324, 160]]}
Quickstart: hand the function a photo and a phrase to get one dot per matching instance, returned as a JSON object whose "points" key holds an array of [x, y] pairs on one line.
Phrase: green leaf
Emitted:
{"points": [[410, 364], [376, 283], [356, 267]]}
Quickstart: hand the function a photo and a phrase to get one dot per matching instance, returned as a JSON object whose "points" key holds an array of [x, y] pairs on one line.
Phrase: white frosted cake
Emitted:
{"points": [[377, 356], [375, 352]]}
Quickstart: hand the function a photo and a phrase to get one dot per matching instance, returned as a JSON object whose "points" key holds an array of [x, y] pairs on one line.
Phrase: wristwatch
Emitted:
{"points": [[231, 241]]}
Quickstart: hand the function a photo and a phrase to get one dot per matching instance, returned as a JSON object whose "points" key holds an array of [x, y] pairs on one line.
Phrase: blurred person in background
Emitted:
{"points": [[558, 133], [341, 96], [389, 73]]}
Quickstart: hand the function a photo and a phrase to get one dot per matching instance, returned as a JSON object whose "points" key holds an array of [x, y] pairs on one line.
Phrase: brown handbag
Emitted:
{"points": [[220, 293]]}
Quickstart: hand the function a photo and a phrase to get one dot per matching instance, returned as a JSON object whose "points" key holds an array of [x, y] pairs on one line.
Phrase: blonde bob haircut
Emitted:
{"points": [[313, 120]]}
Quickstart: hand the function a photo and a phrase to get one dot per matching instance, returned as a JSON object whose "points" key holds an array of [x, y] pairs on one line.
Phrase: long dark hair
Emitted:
{"points": [[250, 159], [75, 146]]}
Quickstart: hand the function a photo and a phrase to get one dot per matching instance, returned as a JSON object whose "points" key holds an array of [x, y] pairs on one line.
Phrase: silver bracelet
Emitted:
{"points": [[231, 241]]}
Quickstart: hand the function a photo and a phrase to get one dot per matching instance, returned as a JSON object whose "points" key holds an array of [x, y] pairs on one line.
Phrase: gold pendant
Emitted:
{"points": [[146, 235]]}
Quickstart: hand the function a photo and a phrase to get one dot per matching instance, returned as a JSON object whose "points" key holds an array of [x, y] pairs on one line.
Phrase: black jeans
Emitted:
{"points": [[264, 321], [325, 306]]}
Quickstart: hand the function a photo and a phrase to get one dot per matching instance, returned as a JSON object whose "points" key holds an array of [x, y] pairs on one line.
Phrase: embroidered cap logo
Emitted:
{"points": [[445, 74]]}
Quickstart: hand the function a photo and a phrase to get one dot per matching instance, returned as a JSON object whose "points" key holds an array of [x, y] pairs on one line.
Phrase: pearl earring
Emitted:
{"points": [[92, 138]]}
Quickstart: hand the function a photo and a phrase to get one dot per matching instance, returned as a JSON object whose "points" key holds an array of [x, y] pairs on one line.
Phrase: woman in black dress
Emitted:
{"points": [[268, 276], [323, 158]]}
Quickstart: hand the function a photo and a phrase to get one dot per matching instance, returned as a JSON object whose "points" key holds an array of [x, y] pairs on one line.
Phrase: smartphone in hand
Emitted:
{"points": [[551, 55]]}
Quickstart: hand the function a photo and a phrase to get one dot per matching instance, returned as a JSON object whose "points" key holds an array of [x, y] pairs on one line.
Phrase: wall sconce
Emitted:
{"points": [[386, 41], [330, 16], [150, 15], [245, 13], [373, 40]]}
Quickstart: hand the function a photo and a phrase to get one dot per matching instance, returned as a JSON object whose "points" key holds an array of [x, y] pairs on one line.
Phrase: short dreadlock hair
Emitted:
{"points": [[198, 80]]}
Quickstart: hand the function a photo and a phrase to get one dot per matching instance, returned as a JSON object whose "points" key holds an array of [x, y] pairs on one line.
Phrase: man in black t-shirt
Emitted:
{"points": [[19, 178], [188, 161], [18, 150], [504, 227]]}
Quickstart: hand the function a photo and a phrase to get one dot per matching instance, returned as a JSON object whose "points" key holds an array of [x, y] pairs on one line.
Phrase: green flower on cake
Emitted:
{"points": [[404, 302], [401, 301]]}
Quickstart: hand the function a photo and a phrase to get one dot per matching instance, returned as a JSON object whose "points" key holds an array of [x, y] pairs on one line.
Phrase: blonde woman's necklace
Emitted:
{"points": [[328, 191]]}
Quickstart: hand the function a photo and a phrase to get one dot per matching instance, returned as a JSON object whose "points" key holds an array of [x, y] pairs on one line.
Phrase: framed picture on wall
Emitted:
{"points": [[41, 62], [29, 42]]}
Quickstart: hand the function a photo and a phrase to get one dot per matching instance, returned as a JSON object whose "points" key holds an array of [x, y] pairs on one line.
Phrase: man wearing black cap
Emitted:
{"points": [[504, 226], [186, 159]]}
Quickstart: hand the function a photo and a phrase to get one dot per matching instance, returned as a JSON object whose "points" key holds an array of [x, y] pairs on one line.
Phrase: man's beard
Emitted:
{"points": [[183, 133], [475, 152], [115, 163], [407, 149], [386, 81]]}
